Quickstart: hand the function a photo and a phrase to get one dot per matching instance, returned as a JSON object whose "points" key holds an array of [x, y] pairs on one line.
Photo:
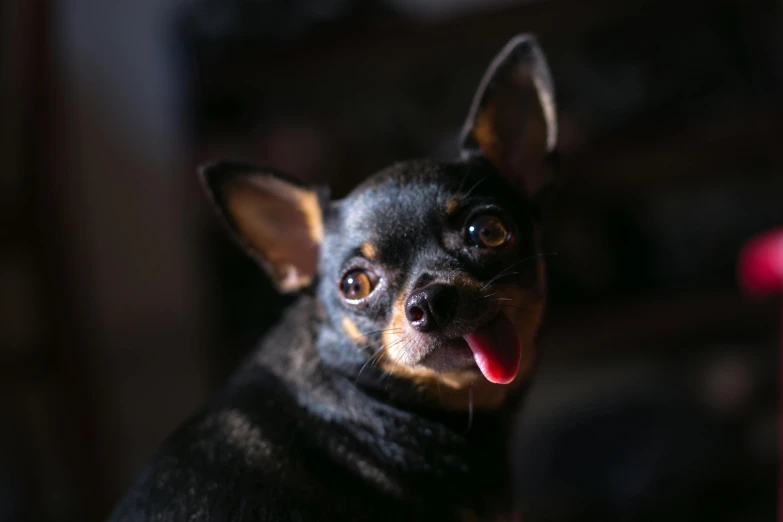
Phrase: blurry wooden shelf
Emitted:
{"points": [[24, 363], [654, 324], [619, 166], [389, 44], [12, 228], [389, 49]]}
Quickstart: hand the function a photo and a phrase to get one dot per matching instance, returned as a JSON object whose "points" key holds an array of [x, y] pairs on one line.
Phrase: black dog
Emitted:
{"points": [[386, 391]]}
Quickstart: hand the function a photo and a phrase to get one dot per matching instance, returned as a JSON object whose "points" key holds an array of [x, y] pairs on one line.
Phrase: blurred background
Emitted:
{"points": [[123, 305]]}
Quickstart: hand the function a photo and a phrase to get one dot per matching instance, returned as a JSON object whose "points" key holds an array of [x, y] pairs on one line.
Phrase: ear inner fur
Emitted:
{"points": [[529, 67], [306, 201], [281, 223], [485, 134], [512, 120]]}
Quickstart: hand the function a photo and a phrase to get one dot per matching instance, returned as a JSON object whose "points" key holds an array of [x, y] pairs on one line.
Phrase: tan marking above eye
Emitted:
{"points": [[451, 207], [369, 251], [356, 285]]}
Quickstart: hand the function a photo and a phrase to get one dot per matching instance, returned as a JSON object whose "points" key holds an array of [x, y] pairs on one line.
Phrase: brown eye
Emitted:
{"points": [[488, 232], [356, 285]]}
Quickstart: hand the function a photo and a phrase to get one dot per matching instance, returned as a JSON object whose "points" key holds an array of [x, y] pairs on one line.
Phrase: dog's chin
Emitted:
{"points": [[453, 355]]}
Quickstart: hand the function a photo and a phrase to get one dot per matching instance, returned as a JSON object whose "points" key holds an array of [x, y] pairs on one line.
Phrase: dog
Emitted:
{"points": [[387, 390]]}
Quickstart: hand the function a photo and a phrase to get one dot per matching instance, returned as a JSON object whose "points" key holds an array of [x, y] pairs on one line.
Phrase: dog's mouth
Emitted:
{"points": [[495, 349]]}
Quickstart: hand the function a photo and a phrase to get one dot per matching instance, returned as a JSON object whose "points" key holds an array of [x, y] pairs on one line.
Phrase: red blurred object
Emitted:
{"points": [[760, 272], [761, 264]]}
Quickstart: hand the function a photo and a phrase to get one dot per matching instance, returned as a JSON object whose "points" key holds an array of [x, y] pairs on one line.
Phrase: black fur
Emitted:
{"points": [[306, 429], [289, 439]]}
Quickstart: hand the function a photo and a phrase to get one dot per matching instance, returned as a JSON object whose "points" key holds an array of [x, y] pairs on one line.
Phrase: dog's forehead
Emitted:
{"points": [[401, 200]]}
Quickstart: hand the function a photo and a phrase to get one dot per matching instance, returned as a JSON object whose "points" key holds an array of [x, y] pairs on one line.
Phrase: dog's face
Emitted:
{"points": [[433, 269], [429, 271]]}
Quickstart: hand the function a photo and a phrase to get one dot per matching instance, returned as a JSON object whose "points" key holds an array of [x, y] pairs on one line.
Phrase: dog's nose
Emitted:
{"points": [[432, 307]]}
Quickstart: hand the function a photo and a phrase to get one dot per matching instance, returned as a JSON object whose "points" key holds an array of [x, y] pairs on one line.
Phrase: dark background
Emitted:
{"points": [[124, 306]]}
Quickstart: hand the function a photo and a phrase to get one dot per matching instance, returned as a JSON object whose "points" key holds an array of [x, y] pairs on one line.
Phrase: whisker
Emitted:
{"points": [[464, 196], [501, 273], [387, 379], [398, 341], [512, 265], [375, 332], [394, 361], [470, 408], [464, 179], [385, 357], [496, 278], [528, 306], [378, 356], [368, 345], [374, 355]]}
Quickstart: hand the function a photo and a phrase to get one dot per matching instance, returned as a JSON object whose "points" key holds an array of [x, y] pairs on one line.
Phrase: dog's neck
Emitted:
{"points": [[425, 446], [315, 356]]}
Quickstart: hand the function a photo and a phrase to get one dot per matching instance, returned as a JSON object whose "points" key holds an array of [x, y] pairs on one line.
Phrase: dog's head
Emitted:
{"points": [[428, 271]]}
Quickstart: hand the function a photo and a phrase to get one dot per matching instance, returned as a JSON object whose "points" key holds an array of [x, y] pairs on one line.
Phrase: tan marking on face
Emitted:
{"points": [[369, 251], [451, 207], [394, 334], [353, 332]]}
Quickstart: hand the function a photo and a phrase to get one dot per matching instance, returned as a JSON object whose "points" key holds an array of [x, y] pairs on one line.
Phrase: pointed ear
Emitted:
{"points": [[512, 121], [278, 221]]}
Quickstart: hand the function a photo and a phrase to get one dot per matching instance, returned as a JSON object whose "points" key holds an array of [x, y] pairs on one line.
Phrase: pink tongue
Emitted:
{"points": [[497, 350]]}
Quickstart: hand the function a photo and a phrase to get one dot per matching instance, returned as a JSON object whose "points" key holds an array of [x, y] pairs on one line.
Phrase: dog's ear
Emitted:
{"points": [[513, 121], [278, 221]]}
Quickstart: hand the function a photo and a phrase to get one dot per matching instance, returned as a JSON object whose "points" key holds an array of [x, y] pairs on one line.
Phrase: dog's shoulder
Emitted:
{"points": [[256, 451], [234, 455], [267, 463], [223, 459]]}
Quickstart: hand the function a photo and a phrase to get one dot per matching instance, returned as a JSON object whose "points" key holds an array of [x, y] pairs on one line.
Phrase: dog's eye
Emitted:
{"points": [[356, 285], [488, 232]]}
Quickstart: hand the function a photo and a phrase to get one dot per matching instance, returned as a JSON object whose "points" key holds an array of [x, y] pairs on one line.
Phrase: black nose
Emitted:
{"points": [[432, 307]]}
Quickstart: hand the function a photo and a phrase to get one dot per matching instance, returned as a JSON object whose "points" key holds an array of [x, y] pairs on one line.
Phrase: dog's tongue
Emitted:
{"points": [[497, 350]]}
